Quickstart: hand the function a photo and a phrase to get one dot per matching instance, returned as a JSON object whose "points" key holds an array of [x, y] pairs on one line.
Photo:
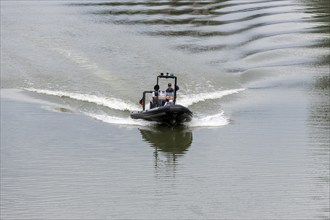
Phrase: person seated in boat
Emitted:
{"points": [[158, 98], [169, 102], [154, 102]]}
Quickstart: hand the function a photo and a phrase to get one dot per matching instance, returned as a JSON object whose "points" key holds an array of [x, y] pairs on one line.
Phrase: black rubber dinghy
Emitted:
{"points": [[163, 107]]}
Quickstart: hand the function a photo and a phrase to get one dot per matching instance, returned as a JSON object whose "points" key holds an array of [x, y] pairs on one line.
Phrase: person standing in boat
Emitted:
{"points": [[169, 93], [169, 88]]}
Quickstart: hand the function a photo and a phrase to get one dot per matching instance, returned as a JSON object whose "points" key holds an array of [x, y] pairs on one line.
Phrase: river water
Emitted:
{"points": [[255, 73]]}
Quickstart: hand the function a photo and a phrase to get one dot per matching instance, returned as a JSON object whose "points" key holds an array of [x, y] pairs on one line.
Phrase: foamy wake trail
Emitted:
{"points": [[110, 102], [216, 120], [117, 120], [187, 100]]}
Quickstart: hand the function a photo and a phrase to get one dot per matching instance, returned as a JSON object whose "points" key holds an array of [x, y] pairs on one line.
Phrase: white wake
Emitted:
{"points": [[187, 100], [216, 120], [110, 102]]}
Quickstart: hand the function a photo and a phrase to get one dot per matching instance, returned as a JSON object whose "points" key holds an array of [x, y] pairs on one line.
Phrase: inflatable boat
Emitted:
{"points": [[162, 106]]}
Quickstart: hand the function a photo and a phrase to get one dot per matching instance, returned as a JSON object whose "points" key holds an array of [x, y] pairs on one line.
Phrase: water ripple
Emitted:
{"points": [[215, 20]]}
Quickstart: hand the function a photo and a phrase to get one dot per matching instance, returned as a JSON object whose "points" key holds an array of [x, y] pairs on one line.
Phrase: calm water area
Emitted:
{"points": [[255, 74]]}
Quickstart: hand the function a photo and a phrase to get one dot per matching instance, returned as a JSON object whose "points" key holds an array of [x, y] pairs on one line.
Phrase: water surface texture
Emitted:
{"points": [[254, 72]]}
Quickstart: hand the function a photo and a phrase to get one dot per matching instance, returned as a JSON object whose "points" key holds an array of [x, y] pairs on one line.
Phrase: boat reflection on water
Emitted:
{"points": [[172, 142]]}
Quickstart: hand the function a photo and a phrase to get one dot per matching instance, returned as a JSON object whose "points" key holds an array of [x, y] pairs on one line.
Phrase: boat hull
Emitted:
{"points": [[172, 114]]}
